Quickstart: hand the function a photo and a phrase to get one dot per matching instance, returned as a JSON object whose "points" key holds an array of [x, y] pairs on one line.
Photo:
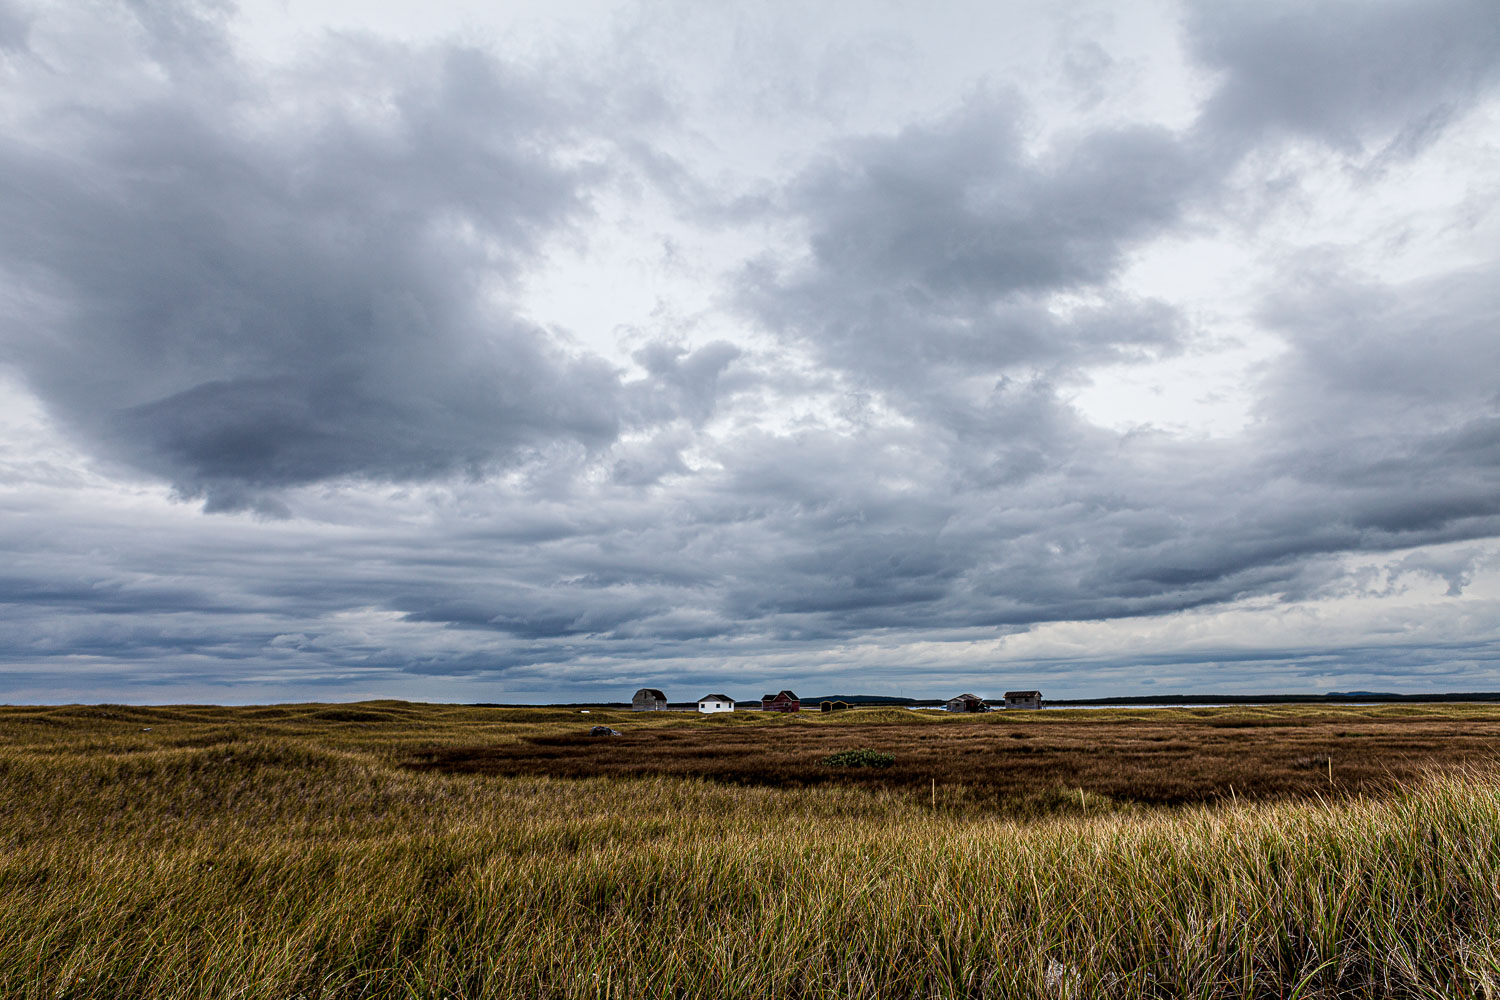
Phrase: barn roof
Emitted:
{"points": [[651, 693]]}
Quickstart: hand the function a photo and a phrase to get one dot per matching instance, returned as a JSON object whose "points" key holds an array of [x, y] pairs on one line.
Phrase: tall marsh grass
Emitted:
{"points": [[279, 867]]}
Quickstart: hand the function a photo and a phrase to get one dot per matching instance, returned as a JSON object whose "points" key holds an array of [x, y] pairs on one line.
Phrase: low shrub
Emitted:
{"points": [[860, 758]]}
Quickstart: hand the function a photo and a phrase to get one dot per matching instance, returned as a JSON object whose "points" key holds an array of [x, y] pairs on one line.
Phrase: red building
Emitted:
{"points": [[784, 701]]}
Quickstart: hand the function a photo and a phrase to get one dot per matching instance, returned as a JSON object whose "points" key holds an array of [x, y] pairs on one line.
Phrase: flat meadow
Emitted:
{"points": [[390, 849]]}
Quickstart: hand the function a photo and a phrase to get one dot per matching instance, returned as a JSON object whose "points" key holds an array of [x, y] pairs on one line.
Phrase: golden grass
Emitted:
{"points": [[284, 853]]}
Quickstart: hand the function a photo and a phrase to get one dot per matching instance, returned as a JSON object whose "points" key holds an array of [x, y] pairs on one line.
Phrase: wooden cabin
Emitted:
{"points": [[1023, 699], [782, 701], [965, 703], [648, 700]]}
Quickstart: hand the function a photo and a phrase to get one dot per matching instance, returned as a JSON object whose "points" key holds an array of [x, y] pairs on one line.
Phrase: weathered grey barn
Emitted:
{"points": [[648, 700], [1023, 699], [966, 703]]}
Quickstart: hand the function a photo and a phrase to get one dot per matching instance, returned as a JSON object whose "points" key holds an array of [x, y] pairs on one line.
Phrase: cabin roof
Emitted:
{"points": [[1023, 694], [966, 697], [712, 697]]}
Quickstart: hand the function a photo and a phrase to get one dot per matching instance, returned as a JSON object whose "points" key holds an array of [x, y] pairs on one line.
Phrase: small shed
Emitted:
{"points": [[1023, 699], [648, 700], [965, 703], [833, 706], [782, 701], [715, 703]]}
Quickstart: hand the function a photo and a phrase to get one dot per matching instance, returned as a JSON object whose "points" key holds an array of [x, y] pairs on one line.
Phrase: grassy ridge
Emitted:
{"points": [[292, 856]]}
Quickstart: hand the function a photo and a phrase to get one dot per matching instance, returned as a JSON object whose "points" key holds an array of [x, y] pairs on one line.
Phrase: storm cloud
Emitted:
{"points": [[877, 421], [1349, 74], [240, 284]]}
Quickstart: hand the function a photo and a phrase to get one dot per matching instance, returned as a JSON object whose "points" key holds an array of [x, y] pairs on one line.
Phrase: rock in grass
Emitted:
{"points": [[603, 731], [1061, 980], [860, 758]]}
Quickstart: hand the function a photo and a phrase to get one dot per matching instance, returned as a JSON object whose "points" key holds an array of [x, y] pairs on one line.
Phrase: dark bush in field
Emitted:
{"points": [[860, 758]]}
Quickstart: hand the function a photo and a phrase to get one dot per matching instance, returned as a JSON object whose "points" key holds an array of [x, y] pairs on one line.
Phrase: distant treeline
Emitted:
{"points": [[1331, 698]]}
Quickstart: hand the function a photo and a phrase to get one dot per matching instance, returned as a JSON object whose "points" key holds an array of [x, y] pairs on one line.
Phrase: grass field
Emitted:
{"points": [[395, 850], [1007, 761]]}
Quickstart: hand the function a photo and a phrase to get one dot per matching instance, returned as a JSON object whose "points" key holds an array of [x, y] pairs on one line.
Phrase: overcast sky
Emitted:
{"points": [[430, 352]]}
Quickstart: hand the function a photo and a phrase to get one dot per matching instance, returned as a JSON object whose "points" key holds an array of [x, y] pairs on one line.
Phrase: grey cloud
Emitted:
{"points": [[1348, 72], [241, 298], [15, 28], [1429, 343], [960, 210], [682, 382], [1423, 667], [935, 249], [645, 464], [806, 545], [1456, 569], [1386, 399]]}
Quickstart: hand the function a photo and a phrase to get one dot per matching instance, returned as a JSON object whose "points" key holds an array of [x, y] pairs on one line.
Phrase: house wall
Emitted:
{"points": [[715, 706]]}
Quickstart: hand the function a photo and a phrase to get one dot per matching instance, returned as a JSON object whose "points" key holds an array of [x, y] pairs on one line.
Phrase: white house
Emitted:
{"points": [[716, 703]]}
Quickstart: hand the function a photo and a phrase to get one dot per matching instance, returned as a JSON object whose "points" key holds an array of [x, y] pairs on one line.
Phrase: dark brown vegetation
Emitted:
{"points": [[1160, 757]]}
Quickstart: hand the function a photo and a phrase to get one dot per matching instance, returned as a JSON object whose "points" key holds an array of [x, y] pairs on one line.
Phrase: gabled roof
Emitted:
{"points": [[788, 695], [1023, 694], [966, 697], [720, 697]]}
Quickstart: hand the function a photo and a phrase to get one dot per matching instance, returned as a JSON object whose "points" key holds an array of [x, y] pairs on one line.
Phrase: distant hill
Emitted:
{"points": [[1276, 699]]}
